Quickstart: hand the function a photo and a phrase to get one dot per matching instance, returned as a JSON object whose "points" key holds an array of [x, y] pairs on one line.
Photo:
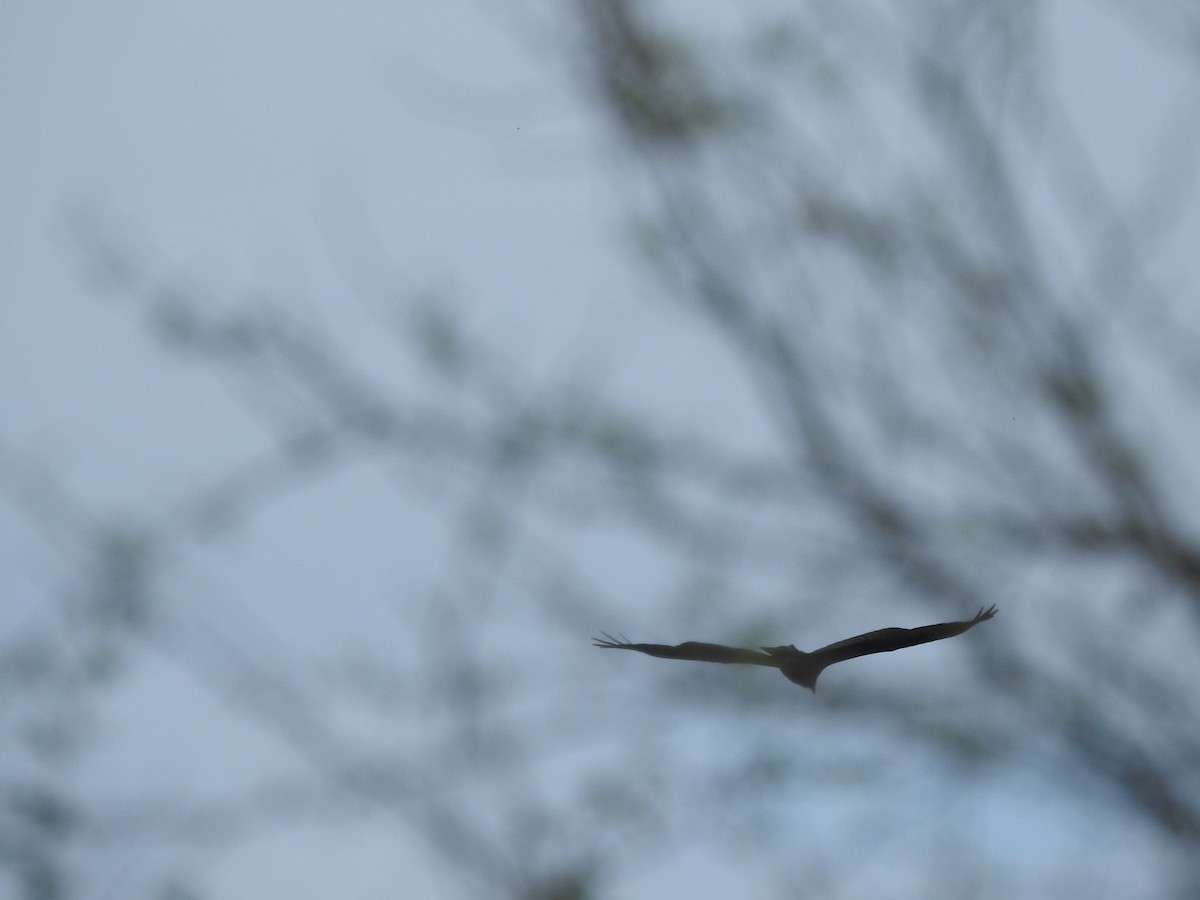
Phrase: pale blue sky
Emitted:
{"points": [[248, 149]]}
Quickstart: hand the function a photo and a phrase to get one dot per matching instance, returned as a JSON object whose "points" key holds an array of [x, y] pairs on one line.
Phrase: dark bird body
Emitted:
{"points": [[796, 665]]}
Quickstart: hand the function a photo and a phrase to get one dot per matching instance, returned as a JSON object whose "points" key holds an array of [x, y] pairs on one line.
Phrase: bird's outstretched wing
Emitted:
{"points": [[693, 650], [887, 639]]}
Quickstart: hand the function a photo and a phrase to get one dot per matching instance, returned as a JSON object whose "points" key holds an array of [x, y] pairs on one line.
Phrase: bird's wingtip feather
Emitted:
{"points": [[607, 641]]}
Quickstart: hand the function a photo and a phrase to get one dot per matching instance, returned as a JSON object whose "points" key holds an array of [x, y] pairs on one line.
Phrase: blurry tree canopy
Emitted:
{"points": [[973, 349]]}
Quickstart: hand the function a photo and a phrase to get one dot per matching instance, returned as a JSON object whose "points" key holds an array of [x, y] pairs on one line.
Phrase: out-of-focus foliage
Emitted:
{"points": [[946, 310]]}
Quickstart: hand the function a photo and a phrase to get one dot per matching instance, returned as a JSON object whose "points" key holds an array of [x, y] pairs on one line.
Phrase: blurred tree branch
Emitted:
{"points": [[889, 219]]}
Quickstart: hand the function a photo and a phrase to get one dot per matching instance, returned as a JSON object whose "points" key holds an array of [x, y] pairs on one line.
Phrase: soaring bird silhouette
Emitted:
{"points": [[796, 665]]}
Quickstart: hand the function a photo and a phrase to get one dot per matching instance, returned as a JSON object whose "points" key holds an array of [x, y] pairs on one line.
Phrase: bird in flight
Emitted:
{"points": [[796, 665]]}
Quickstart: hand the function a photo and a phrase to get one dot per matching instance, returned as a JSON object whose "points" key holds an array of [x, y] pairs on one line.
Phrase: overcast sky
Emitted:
{"points": [[316, 156]]}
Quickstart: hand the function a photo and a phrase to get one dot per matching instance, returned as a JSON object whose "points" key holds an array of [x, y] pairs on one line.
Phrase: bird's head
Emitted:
{"points": [[797, 666], [803, 678]]}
